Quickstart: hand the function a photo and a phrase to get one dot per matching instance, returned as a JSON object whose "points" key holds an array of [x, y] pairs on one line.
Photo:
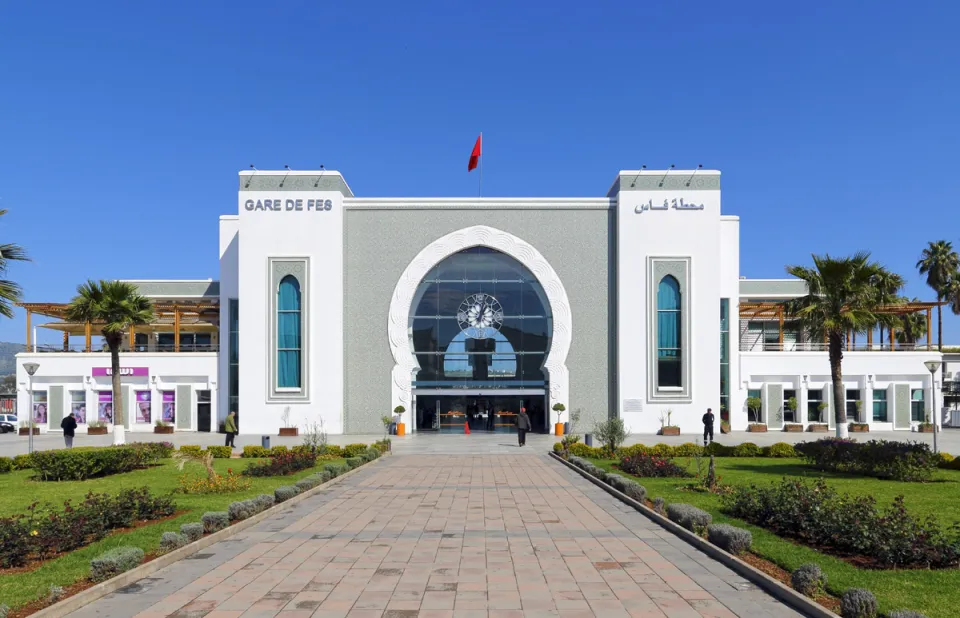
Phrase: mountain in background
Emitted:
{"points": [[8, 357]]}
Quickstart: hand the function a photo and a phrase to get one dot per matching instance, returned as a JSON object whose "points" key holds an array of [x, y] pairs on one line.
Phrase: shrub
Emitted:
{"points": [[816, 515], [80, 464], [114, 562], [307, 483], [336, 469], [6, 465], [633, 449], [282, 464], [238, 511], [55, 594], [687, 449], [220, 452], [354, 462], [858, 603], [689, 516], [945, 460], [780, 449], [327, 475], [372, 453], [729, 538], [284, 493], [661, 450], [582, 450], [222, 484], [611, 433], [156, 450], [264, 502], [382, 445], [659, 506], [651, 466], [214, 521], [254, 452], [332, 449], [905, 613], [193, 532], [719, 450], [747, 449], [631, 488], [809, 580], [4, 610], [170, 541], [14, 542], [23, 462], [191, 449], [280, 450], [353, 450], [901, 461]]}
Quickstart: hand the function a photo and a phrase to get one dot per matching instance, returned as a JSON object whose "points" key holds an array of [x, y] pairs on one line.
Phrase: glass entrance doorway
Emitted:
{"points": [[449, 413]]}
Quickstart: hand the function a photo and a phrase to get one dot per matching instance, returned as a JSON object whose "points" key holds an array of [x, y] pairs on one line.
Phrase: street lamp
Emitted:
{"points": [[932, 367], [30, 368]]}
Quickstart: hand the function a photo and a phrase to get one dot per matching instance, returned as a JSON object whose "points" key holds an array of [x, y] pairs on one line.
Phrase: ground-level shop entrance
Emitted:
{"points": [[450, 412]]}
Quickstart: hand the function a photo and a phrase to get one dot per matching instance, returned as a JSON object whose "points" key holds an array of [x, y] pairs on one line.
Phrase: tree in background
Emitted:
{"points": [[887, 287], [115, 306], [912, 326], [939, 262], [841, 297], [10, 291]]}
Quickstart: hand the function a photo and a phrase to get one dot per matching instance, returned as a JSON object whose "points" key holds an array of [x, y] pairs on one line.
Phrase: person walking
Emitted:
{"points": [[69, 427], [523, 426], [708, 419], [230, 427]]}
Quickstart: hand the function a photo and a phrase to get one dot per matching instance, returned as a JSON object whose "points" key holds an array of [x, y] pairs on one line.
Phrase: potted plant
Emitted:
{"points": [[666, 427], [724, 426], [25, 429], [859, 427], [754, 406], [401, 428], [859, 418], [96, 428], [558, 428], [162, 427], [287, 430], [926, 426]]}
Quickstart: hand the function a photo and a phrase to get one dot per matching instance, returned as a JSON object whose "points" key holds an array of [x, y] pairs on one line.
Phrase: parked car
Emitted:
{"points": [[8, 422]]}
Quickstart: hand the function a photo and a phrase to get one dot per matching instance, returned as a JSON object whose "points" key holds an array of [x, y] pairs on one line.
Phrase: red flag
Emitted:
{"points": [[475, 155]]}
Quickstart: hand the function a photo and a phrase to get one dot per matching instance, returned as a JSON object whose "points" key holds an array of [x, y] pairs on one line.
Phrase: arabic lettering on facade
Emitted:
{"points": [[675, 203]]}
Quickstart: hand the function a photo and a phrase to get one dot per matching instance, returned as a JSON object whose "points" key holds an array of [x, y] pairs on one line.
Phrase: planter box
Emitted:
{"points": [[922, 429], [819, 428], [670, 431], [793, 428], [859, 428], [96, 431], [25, 431], [288, 431], [558, 429], [167, 429], [724, 428], [757, 428], [401, 429]]}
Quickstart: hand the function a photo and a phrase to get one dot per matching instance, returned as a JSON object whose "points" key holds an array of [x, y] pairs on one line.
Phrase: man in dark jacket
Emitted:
{"points": [[523, 426], [69, 427], [708, 426]]}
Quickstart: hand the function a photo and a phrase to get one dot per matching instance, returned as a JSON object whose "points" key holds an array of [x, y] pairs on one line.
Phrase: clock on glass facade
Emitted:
{"points": [[479, 316]]}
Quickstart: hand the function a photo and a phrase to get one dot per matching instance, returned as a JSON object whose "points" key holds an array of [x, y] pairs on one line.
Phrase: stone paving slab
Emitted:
{"points": [[423, 536]]}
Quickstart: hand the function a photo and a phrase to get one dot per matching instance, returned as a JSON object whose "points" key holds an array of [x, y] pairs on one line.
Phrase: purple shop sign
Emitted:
{"points": [[125, 372]]}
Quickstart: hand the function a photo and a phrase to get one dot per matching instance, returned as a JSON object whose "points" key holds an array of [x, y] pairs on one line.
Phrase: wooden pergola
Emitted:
{"points": [[180, 316], [777, 311]]}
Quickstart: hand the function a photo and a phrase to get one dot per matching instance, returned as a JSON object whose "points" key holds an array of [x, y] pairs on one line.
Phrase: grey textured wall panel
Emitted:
{"points": [[379, 244], [55, 407], [902, 406], [184, 406]]}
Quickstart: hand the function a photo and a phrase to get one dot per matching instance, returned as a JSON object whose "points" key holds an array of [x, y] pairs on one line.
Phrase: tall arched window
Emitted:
{"points": [[289, 345], [669, 343]]}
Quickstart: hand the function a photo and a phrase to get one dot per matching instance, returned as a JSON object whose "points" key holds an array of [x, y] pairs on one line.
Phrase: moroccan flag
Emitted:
{"points": [[475, 155]]}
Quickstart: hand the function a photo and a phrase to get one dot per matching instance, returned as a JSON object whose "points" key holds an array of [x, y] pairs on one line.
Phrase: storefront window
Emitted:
{"points": [[480, 319], [78, 405], [853, 396], [789, 416], [880, 405], [814, 399], [917, 411]]}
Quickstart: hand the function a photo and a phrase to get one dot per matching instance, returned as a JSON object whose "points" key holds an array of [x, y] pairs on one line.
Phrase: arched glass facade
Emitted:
{"points": [[480, 320]]}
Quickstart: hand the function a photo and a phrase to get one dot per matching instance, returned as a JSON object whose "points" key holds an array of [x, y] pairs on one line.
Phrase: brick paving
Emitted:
{"points": [[438, 536]]}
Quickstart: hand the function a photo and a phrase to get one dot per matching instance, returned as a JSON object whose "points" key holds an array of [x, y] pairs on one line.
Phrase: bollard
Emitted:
{"points": [[265, 442]]}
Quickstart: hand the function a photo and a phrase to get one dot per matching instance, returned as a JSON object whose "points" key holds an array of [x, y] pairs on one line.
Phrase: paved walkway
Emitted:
{"points": [[444, 537]]}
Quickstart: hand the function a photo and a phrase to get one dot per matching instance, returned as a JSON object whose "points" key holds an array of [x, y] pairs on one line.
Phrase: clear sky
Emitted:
{"points": [[123, 126]]}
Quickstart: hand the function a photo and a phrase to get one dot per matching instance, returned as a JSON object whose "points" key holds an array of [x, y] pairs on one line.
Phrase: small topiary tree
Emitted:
{"points": [[858, 603], [611, 433], [754, 406]]}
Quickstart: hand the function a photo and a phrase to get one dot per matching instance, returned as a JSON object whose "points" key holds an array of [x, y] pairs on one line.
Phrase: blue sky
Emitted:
{"points": [[122, 126]]}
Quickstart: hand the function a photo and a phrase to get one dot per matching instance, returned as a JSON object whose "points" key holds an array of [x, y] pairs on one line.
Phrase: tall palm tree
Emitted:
{"points": [[840, 298], [10, 291], [115, 306], [887, 286], [939, 262], [912, 326]]}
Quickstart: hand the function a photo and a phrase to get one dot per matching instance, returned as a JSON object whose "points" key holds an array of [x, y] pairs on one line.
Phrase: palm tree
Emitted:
{"points": [[10, 291], [939, 262], [116, 306], [913, 326], [887, 286], [840, 298]]}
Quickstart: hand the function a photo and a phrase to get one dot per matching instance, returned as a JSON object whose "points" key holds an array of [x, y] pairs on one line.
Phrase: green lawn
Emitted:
{"points": [[17, 492], [935, 593]]}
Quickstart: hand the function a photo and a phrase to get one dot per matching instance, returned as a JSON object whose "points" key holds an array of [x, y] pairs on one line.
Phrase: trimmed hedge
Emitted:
{"points": [[858, 603], [285, 492], [354, 462], [883, 459], [353, 450], [689, 449], [220, 452], [214, 521], [81, 464], [114, 562], [22, 462], [191, 449], [6, 465], [729, 538], [170, 541], [809, 580], [193, 532], [281, 464], [255, 452], [690, 517]]}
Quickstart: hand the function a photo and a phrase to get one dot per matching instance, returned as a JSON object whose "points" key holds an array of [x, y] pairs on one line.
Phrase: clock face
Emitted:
{"points": [[479, 316]]}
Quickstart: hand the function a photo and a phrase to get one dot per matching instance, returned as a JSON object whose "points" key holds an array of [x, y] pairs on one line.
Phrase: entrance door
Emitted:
{"points": [[203, 411], [449, 412]]}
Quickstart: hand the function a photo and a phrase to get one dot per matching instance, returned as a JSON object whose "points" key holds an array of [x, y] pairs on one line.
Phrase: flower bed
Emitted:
{"points": [[848, 526], [651, 466], [282, 464], [902, 461], [688, 449], [43, 532]]}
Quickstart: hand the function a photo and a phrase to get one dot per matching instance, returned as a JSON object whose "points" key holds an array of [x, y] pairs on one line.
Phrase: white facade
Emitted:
{"points": [[599, 266]]}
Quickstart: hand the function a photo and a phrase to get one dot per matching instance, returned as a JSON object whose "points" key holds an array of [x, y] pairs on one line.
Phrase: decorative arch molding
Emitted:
{"points": [[398, 320]]}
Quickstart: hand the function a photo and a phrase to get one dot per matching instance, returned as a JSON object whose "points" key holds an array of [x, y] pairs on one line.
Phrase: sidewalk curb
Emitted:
{"points": [[786, 595], [85, 597]]}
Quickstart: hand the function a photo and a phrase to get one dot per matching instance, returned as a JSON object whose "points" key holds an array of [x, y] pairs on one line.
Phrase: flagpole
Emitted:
{"points": [[480, 187]]}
